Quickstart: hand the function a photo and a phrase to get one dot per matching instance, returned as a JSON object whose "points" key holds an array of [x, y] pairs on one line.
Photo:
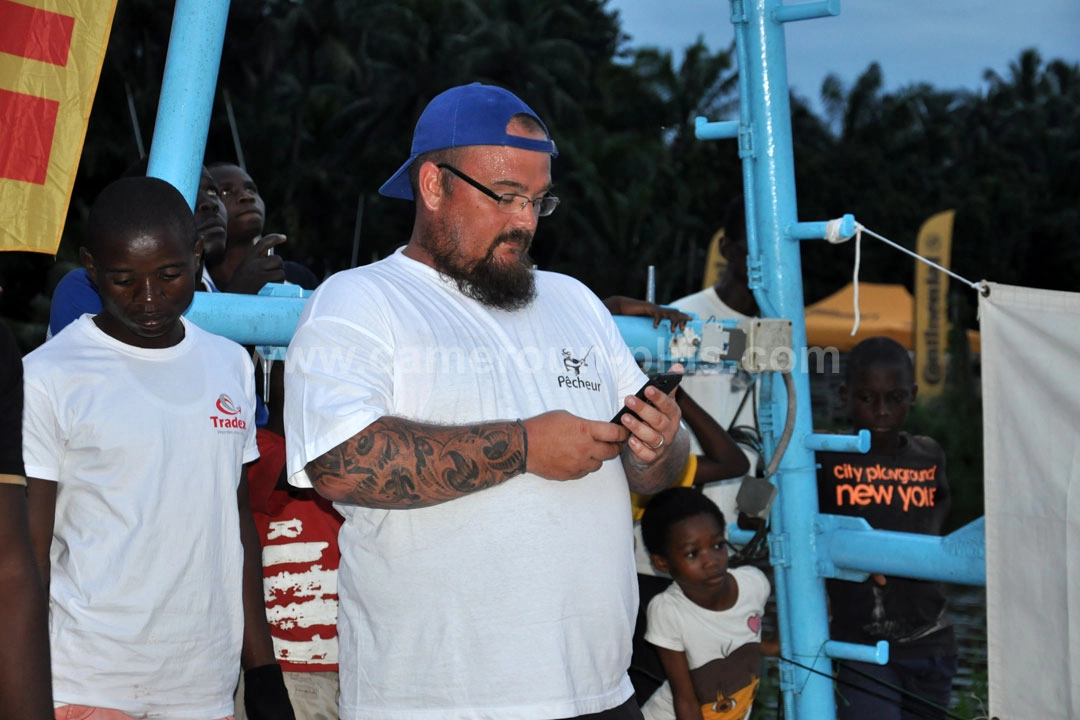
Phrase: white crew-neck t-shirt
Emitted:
{"points": [[517, 601], [147, 448]]}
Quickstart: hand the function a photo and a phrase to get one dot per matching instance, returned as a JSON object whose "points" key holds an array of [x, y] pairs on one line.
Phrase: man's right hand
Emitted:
{"points": [[258, 267], [566, 447]]}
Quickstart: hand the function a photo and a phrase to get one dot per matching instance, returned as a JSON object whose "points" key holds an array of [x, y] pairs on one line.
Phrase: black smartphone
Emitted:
{"points": [[664, 382]]}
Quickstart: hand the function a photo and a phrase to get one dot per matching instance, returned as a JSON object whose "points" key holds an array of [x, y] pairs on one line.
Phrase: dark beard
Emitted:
{"points": [[501, 286]]}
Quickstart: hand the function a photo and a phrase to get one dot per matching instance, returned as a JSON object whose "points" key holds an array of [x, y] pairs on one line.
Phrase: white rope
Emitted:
{"points": [[950, 273], [832, 234], [855, 281]]}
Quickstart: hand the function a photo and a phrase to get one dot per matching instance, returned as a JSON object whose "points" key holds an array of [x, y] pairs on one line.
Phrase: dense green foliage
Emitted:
{"points": [[325, 94]]}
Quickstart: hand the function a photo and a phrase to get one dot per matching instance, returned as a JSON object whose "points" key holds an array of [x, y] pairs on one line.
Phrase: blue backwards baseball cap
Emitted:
{"points": [[466, 115]]}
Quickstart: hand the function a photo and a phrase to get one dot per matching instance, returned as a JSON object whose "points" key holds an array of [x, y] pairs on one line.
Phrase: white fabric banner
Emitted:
{"points": [[1031, 436]]}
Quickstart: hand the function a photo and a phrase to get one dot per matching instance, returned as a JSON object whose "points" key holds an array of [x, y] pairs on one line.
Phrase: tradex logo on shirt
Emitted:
{"points": [[229, 419]]}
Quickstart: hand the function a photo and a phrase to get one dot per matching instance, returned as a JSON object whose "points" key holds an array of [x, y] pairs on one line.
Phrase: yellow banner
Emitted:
{"points": [[51, 52], [931, 303], [715, 263]]}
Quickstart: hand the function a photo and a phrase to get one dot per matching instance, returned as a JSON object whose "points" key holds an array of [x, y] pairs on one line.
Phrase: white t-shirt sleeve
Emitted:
{"points": [[756, 585], [42, 443], [665, 627], [251, 447], [338, 377]]}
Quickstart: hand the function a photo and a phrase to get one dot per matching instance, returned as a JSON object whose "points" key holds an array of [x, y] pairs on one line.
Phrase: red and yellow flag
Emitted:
{"points": [[51, 52]]}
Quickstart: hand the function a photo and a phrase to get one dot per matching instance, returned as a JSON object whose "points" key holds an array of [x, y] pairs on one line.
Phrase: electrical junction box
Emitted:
{"points": [[768, 345]]}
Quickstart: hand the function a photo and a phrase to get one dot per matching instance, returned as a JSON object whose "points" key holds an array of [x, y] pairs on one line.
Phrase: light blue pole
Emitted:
{"points": [[250, 319], [858, 443], [187, 94], [658, 348], [769, 187], [852, 549], [818, 230]]}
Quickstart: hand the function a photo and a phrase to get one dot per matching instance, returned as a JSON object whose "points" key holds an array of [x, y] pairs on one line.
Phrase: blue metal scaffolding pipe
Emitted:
{"points": [[270, 318], [247, 319], [805, 11], [859, 443], [878, 654], [653, 346], [771, 210], [187, 94], [722, 130], [956, 558], [820, 229], [646, 342]]}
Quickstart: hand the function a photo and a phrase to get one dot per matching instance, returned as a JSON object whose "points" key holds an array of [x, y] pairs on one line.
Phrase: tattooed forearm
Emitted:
{"points": [[395, 463]]}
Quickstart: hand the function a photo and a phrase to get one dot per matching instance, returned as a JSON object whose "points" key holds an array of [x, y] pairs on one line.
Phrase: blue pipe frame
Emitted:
{"points": [[805, 546]]}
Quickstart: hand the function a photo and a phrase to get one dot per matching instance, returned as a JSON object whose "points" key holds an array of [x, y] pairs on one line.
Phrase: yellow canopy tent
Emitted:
{"points": [[883, 310]]}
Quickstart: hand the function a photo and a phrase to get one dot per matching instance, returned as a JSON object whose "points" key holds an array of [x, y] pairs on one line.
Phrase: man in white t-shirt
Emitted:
{"points": [[455, 405], [729, 397], [137, 426]]}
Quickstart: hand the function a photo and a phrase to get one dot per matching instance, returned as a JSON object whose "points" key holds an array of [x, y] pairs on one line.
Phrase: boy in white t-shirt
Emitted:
{"points": [[707, 625], [137, 427]]}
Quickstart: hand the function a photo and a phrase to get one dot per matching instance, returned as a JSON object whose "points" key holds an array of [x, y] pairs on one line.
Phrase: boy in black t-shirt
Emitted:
{"points": [[899, 485]]}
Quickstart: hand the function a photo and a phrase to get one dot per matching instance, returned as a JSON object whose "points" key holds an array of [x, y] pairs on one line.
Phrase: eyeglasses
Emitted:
{"points": [[509, 203]]}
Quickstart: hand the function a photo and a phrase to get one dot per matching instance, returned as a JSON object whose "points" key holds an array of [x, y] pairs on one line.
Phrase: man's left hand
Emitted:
{"points": [[652, 436]]}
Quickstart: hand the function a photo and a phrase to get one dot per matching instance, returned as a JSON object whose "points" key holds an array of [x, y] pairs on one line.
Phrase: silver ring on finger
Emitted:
{"points": [[658, 445]]}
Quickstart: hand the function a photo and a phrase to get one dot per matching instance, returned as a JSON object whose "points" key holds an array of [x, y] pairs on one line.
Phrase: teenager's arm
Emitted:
{"points": [[41, 511], [396, 463], [622, 305], [258, 648], [265, 695], [677, 670], [25, 676], [723, 458]]}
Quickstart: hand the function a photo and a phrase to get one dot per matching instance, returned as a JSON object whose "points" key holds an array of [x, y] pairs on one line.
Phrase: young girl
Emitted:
{"points": [[707, 625]]}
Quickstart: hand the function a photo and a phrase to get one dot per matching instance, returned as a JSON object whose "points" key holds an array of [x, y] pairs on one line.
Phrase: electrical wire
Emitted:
{"points": [[789, 426], [928, 709]]}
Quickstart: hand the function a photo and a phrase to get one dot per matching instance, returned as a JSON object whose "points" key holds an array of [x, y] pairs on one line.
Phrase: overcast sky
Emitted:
{"points": [[947, 43]]}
